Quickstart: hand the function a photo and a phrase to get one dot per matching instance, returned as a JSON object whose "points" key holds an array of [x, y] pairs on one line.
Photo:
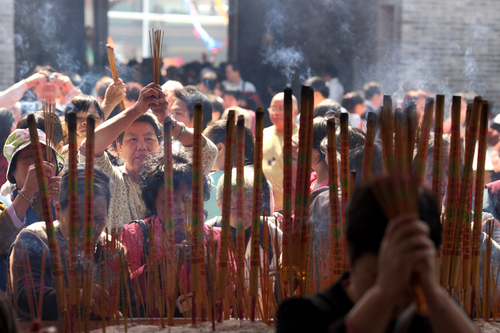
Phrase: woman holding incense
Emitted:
{"points": [[267, 206], [319, 178], [26, 207], [138, 135], [32, 243], [386, 258], [216, 132], [135, 235]]}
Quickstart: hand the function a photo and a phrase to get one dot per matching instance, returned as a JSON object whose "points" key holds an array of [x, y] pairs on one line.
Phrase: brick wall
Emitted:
{"points": [[7, 61], [450, 46]]}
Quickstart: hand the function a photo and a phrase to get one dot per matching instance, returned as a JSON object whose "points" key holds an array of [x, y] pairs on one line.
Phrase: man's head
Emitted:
{"points": [[153, 189], [102, 197], [356, 156], [48, 91], [182, 108], [101, 86], [231, 97], [233, 72], [373, 93], [354, 102], [138, 141], [327, 105], [276, 111], [320, 88]]}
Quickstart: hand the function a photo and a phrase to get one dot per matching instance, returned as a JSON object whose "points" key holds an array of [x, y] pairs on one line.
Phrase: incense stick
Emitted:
{"points": [[387, 134], [423, 142], [49, 225], [257, 198], [113, 68], [344, 171], [438, 148], [478, 198], [197, 252], [411, 117], [240, 203], [335, 234], [287, 188], [453, 192], [371, 124]]}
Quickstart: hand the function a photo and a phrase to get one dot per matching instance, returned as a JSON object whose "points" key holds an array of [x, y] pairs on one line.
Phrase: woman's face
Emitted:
{"points": [[81, 123], [23, 162], [182, 196], [233, 220]]}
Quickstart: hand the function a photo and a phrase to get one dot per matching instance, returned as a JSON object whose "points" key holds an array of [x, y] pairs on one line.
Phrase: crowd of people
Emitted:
{"points": [[129, 191]]}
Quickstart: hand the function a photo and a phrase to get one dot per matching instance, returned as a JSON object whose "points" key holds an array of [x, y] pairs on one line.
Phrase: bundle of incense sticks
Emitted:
{"points": [[49, 224], [462, 213], [256, 208], [197, 234], [438, 148], [478, 198], [335, 235], [88, 240], [344, 172], [301, 184], [423, 140], [240, 203], [287, 189], [169, 239], [226, 207], [113, 68], [48, 112], [73, 218], [386, 122], [371, 124], [453, 191], [156, 49], [306, 230]]}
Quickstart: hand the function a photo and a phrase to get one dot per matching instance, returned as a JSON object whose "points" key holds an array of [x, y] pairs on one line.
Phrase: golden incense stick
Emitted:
{"points": [[438, 148], [240, 203], [423, 141], [113, 68], [371, 124]]}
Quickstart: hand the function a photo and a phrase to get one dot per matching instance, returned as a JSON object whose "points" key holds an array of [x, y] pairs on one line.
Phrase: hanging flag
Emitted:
{"points": [[211, 43]]}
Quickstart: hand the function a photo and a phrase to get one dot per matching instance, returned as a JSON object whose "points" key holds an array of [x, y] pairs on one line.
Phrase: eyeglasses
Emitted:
{"points": [[274, 110]]}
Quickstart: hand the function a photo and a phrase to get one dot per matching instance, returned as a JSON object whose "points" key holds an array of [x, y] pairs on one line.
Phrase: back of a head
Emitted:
{"points": [[102, 85], [318, 84], [216, 102], [356, 156], [233, 92], [327, 105], [366, 221], [320, 126], [216, 131], [132, 91], [102, 185], [372, 88], [350, 100]]}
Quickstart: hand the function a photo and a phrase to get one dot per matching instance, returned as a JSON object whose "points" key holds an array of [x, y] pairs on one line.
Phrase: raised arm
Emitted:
{"points": [[113, 96], [106, 133]]}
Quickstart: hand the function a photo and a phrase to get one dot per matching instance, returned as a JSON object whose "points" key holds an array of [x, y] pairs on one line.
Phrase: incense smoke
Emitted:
{"points": [[287, 59]]}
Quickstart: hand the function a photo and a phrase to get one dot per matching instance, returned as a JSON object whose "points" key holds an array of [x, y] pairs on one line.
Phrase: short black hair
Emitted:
{"points": [[234, 65], [318, 84], [366, 221], [372, 88], [327, 105], [216, 132], [132, 91], [39, 68], [350, 100], [148, 118], [320, 126], [216, 102], [190, 95], [233, 92], [7, 120], [356, 156], [102, 185], [152, 176], [81, 103]]}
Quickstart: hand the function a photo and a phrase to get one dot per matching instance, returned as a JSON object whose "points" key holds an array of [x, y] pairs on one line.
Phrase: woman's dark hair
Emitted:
{"points": [[148, 118], [81, 103], [102, 185], [7, 119], [190, 95], [356, 156], [216, 132], [327, 105], [319, 133], [366, 221], [350, 100], [57, 129], [152, 176]]}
